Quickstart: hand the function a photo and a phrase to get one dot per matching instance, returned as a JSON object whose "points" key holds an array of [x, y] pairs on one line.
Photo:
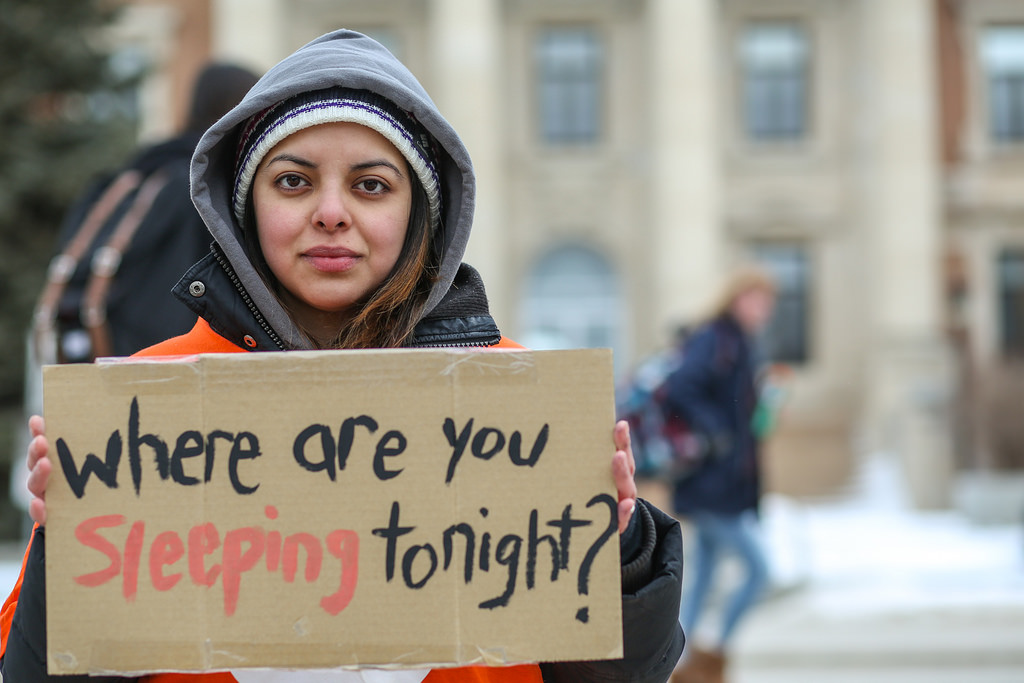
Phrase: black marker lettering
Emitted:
{"points": [[135, 440], [458, 444], [388, 451], [189, 445], [391, 533], [515, 448], [326, 446], [347, 435], [249, 451], [105, 470]]}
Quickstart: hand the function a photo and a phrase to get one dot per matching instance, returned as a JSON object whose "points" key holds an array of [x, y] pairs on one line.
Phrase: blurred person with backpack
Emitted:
{"points": [[715, 390], [125, 242], [122, 246]]}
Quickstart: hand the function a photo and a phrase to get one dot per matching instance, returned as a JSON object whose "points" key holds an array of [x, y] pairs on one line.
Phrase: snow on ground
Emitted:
{"points": [[872, 552]]}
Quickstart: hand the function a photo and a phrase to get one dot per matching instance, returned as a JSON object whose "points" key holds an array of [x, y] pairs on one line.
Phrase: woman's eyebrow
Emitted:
{"points": [[362, 166], [284, 156]]}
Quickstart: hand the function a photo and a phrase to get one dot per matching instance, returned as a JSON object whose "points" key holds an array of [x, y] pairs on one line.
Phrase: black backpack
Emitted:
{"points": [[121, 249]]}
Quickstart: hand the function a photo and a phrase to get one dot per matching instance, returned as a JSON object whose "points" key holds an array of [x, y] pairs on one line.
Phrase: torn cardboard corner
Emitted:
{"points": [[332, 509]]}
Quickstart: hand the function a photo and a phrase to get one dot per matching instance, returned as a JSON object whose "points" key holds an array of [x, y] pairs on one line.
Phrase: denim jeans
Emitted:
{"points": [[716, 536]]}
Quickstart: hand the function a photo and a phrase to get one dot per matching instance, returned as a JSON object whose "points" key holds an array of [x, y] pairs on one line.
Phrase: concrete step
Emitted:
{"points": [[878, 675], [797, 638]]}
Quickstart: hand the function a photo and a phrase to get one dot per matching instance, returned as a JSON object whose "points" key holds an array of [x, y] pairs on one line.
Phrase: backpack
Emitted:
{"points": [[95, 250], [665, 446], [121, 249]]}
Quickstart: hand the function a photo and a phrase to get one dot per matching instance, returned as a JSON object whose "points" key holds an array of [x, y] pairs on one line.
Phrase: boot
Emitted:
{"points": [[700, 666]]}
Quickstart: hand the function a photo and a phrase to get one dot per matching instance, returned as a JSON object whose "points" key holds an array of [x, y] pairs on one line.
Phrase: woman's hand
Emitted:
{"points": [[623, 469], [40, 467]]}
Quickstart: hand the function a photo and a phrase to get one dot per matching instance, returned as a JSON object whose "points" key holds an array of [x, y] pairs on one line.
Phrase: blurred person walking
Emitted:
{"points": [[122, 246], [126, 240], [715, 389]]}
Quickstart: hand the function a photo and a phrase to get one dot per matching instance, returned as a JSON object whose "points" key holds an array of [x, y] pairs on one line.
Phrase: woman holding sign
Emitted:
{"points": [[340, 202]]}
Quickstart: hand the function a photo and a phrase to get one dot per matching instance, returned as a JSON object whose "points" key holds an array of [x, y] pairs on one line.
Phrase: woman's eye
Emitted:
{"points": [[372, 186], [291, 181]]}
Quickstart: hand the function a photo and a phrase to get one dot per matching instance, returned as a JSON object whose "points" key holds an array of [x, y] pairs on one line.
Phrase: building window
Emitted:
{"points": [[785, 339], [569, 64], [1002, 56], [573, 300], [774, 62], [1010, 272]]}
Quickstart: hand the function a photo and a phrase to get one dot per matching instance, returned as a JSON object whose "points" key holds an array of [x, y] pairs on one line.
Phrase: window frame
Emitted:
{"points": [[1010, 338], [566, 133], [798, 299], [804, 74], [990, 80]]}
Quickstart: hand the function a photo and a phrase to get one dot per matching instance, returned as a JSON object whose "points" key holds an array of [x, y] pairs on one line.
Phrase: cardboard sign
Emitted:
{"points": [[325, 509]]}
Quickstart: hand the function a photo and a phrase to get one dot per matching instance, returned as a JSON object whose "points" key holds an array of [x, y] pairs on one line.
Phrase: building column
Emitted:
{"points": [[154, 29], [465, 77], [249, 32], [686, 243], [909, 374]]}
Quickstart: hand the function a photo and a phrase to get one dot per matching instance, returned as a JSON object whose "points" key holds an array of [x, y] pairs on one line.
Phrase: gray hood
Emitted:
{"points": [[341, 58]]}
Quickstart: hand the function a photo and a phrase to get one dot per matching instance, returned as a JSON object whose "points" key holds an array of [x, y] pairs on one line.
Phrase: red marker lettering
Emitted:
{"points": [[132, 553], [241, 551], [87, 536], [314, 556], [236, 562], [202, 541], [167, 549], [344, 545]]}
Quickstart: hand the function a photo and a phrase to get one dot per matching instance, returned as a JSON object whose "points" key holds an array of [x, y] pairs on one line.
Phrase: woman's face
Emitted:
{"points": [[753, 309], [332, 207]]}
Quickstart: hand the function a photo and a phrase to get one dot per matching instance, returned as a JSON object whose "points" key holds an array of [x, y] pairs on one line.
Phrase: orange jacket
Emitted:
{"points": [[202, 339]]}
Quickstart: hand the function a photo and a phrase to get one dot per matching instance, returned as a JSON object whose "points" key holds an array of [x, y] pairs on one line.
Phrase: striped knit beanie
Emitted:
{"points": [[335, 105]]}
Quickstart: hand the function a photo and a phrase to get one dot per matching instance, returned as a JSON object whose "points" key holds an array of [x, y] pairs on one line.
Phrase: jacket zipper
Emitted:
{"points": [[454, 345], [230, 272]]}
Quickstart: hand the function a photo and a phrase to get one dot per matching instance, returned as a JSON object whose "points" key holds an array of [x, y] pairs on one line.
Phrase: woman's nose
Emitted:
{"points": [[332, 210]]}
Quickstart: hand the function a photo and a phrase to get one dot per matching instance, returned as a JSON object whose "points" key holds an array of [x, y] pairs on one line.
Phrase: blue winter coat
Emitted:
{"points": [[715, 391]]}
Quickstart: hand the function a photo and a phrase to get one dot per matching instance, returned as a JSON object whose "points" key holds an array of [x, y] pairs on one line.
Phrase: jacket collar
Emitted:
{"points": [[212, 291]]}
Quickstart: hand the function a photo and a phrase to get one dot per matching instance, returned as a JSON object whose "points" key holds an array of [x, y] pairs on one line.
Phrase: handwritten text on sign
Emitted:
{"points": [[430, 506]]}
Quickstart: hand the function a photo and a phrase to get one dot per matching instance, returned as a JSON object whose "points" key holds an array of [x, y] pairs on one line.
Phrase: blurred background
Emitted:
{"points": [[869, 153]]}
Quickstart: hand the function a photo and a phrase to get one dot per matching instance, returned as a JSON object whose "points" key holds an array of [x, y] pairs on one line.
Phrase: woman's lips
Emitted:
{"points": [[331, 259]]}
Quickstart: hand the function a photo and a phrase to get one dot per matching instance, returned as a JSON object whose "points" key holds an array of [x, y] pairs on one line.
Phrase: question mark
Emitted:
{"points": [[583, 613]]}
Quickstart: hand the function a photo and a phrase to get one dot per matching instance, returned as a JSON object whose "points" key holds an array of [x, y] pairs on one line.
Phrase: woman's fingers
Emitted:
{"points": [[37, 511], [623, 469], [36, 425], [624, 442], [38, 449], [38, 446], [39, 466], [38, 479]]}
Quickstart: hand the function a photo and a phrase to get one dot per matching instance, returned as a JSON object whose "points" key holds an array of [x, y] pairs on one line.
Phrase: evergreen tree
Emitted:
{"points": [[65, 115]]}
